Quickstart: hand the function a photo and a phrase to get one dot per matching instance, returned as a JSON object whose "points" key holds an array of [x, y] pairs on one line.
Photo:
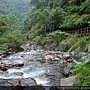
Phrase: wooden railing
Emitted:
{"points": [[82, 32]]}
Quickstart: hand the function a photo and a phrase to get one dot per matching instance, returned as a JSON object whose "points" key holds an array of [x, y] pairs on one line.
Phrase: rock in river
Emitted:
{"points": [[13, 82], [70, 81]]}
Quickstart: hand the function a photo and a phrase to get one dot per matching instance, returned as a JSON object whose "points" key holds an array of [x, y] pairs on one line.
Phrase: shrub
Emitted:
{"points": [[13, 39]]}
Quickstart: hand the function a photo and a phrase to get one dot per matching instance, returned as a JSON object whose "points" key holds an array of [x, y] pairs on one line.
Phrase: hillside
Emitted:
{"points": [[49, 16], [19, 8]]}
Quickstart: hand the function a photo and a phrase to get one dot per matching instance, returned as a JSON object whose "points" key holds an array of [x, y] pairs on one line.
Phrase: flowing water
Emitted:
{"points": [[45, 73]]}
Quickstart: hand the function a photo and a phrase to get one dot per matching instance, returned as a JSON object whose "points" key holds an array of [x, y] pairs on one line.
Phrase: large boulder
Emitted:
{"points": [[13, 82], [70, 81]]}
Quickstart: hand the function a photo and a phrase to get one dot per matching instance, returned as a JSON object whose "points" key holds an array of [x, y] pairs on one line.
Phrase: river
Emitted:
{"points": [[35, 66]]}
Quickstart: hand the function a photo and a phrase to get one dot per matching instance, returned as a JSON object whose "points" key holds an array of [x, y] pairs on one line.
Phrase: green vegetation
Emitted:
{"points": [[12, 40], [81, 44], [12, 14], [56, 15], [83, 71]]}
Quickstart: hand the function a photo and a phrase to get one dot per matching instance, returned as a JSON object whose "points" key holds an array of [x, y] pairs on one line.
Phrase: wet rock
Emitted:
{"points": [[4, 55], [29, 59], [33, 52], [70, 81], [0, 57], [19, 65], [67, 57], [66, 54], [13, 82], [78, 56], [49, 57], [3, 68], [66, 71], [2, 52], [70, 60], [9, 65], [18, 86], [9, 53], [18, 73], [14, 52]]}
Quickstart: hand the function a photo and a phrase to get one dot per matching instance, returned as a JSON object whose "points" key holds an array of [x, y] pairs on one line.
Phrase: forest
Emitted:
{"points": [[44, 22]]}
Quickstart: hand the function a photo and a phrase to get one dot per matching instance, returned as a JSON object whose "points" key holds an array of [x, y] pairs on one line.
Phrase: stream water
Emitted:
{"points": [[45, 73]]}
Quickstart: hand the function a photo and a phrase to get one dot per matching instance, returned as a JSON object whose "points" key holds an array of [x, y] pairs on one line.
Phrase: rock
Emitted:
{"points": [[0, 57], [29, 59], [66, 54], [4, 55], [19, 64], [70, 81], [18, 86], [67, 57], [49, 57], [66, 71], [78, 55], [14, 52], [70, 60], [18, 73], [3, 68], [2, 52], [9, 65], [13, 82], [33, 52]]}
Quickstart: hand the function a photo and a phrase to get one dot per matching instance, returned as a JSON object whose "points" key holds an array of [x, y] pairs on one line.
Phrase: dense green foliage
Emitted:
{"points": [[12, 13], [12, 40], [81, 44], [54, 15], [83, 71]]}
